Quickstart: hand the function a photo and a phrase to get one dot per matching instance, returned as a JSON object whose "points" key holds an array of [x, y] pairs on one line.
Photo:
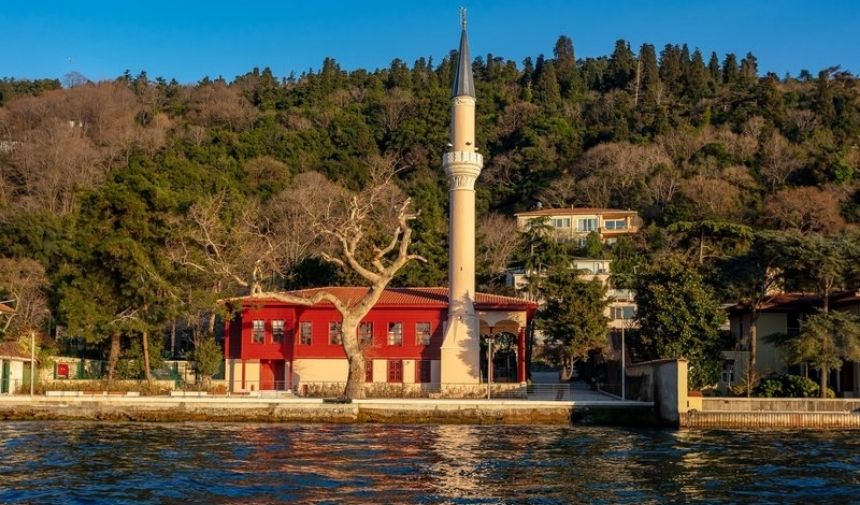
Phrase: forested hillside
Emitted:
{"points": [[98, 181]]}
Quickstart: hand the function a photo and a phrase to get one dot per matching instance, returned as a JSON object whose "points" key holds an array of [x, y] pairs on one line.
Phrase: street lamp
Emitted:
{"points": [[489, 363], [623, 360]]}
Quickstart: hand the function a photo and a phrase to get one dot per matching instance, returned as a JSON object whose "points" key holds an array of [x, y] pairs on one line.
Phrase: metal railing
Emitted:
{"points": [[553, 392], [334, 389]]}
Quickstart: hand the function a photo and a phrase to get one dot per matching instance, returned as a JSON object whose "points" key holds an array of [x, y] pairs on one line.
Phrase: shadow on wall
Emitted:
{"points": [[470, 354]]}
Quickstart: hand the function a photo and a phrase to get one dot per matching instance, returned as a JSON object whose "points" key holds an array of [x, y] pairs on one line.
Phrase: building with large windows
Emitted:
{"points": [[784, 314], [622, 302], [573, 224]]}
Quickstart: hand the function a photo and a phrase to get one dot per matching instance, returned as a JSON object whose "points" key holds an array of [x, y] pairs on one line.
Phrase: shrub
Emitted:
{"points": [[795, 386], [98, 386], [768, 388], [789, 386]]}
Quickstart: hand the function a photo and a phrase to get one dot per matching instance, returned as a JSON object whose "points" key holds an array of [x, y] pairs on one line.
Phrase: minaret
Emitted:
{"points": [[461, 347]]}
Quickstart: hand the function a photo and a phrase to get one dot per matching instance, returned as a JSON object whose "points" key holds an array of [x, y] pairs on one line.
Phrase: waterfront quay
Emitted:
{"points": [[406, 411]]}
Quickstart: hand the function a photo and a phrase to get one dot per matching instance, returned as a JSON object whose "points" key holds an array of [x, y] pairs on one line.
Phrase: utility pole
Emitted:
{"points": [[32, 361], [623, 364]]}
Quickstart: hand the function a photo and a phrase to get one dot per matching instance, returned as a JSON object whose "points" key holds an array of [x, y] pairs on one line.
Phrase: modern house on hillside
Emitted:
{"points": [[622, 306], [575, 223], [784, 313]]}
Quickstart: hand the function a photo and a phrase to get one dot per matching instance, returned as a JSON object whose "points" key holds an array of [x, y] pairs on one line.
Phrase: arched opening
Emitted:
{"points": [[499, 342]]}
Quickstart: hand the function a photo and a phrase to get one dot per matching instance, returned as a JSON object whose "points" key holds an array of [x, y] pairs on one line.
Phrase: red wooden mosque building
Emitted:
{"points": [[274, 345]]}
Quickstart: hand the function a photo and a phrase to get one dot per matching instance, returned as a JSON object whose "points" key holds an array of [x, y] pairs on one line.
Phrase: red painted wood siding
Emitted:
{"points": [[268, 349], [320, 317]]}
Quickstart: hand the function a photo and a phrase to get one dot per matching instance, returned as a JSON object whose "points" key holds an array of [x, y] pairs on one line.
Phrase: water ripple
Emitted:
{"points": [[119, 463]]}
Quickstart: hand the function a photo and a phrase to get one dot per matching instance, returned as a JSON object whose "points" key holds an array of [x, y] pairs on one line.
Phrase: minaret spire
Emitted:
{"points": [[464, 84], [461, 346]]}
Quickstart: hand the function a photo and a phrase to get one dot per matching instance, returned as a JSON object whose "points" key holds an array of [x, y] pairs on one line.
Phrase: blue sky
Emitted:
{"points": [[191, 39]]}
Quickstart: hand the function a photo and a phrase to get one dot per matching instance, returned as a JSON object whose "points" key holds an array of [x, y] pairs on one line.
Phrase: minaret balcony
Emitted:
{"points": [[462, 169], [453, 159]]}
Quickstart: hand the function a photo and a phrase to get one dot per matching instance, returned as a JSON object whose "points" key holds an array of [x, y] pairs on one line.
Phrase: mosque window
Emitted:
{"points": [[335, 333], [277, 331], [306, 331], [259, 331], [422, 333], [395, 333], [365, 333]]}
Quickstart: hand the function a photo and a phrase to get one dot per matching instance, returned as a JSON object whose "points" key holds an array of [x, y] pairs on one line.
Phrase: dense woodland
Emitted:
{"points": [[108, 189]]}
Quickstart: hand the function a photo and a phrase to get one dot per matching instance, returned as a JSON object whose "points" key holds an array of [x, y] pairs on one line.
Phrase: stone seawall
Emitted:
{"points": [[779, 405], [772, 420], [774, 413], [161, 409]]}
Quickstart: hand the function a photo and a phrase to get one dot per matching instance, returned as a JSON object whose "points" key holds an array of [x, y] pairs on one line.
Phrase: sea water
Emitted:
{"points": [[117, 463]]}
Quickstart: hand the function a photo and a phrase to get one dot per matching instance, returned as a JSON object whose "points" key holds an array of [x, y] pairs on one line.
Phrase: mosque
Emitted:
{"points": [[418, 339]]}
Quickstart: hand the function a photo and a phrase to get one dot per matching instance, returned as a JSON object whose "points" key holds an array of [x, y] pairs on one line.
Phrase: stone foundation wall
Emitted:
{"points": [[477, 391], [416, 390], [774, 413], [772, 420], [779, 405], [247, 410]]}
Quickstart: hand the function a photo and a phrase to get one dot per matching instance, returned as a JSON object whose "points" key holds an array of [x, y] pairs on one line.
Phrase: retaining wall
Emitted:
{"points": [[663, 382], [155, 409], [774, 413], [772, 420], [779, 405]]}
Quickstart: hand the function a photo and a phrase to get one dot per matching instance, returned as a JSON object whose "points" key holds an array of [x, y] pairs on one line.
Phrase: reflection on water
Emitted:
{"points": [[43, 462]]}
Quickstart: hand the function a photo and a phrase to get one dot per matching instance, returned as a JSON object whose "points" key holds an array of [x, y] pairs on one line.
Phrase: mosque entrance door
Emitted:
{"points": [[272, 375]]}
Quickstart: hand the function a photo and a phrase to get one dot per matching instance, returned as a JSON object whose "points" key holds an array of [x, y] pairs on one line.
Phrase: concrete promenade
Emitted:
{"points": [[243, 409]]}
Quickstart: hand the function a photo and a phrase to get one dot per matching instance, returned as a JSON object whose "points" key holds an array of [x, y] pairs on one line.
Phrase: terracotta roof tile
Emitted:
{"points": [[799, 301], [12, 350], [437, 296], [574, 211]]}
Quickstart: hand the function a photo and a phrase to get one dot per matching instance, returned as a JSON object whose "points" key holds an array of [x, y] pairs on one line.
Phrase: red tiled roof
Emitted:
{"points": [[434, 296], [12, 350], [846, 297], [574, 211], [798, 301]]}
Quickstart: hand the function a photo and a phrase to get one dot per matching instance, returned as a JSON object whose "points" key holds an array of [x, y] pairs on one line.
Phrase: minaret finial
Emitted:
{"points": [[464, 84]]}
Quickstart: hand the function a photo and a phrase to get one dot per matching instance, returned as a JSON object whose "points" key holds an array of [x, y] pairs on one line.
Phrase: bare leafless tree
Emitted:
{"points": [[804, 209], [615, 169], [498, 242], [779, 160], [216, 104], [712, 198], [366, 232], [22, 281]]}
